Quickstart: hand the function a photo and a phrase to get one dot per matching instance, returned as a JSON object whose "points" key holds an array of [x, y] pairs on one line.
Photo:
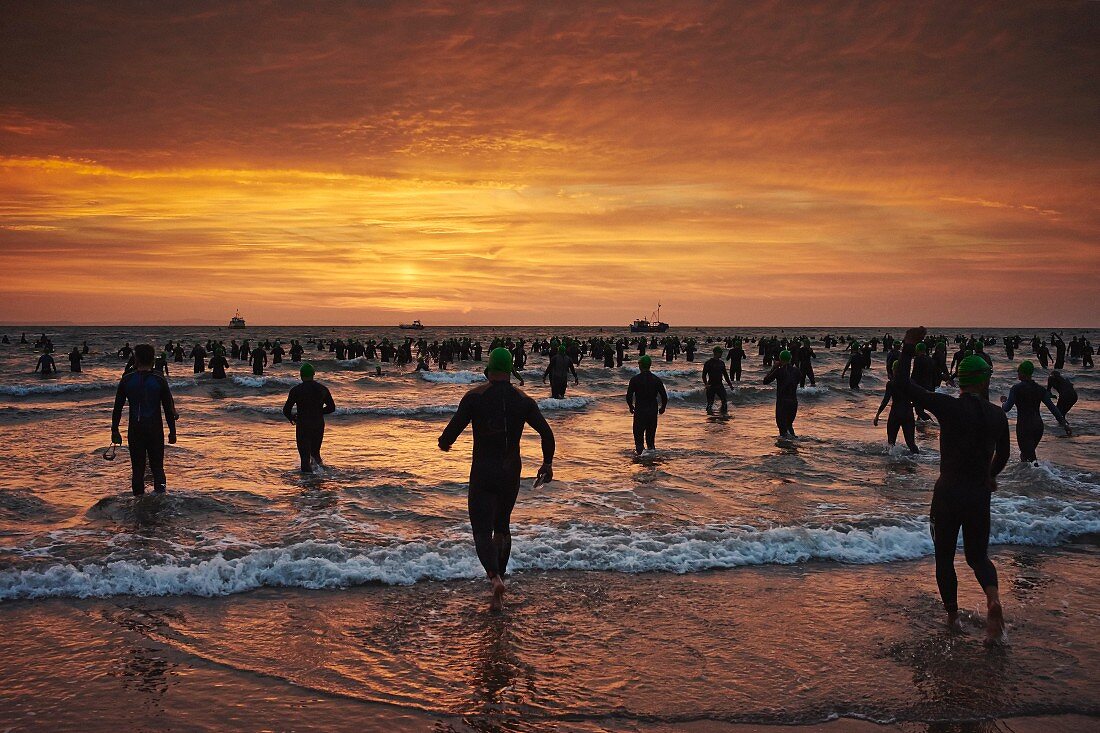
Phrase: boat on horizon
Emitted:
{"points": [[236, 321], [414, 326], [644, 325]]}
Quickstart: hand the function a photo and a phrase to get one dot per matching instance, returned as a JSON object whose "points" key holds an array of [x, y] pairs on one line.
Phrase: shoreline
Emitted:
{"points": [[584, 651]]}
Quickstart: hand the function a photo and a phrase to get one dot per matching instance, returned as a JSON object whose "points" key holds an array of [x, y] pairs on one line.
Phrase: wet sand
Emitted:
{"points": [[833, 648]]}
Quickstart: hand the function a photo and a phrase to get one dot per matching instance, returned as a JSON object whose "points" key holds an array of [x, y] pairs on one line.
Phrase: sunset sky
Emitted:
{"points": [[499, 162]]}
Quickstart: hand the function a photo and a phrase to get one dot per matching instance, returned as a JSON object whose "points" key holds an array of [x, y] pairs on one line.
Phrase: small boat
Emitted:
{"points": [[644, 325], [236, 321], [414, 326]]}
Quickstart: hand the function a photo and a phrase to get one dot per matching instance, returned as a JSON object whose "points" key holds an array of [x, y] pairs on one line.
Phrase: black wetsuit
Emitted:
{"points": [[147, 393], [714, 372], [647, 398], [559, 369], [1067, 395], [498, 412], [900, 417], [787, 378], [74, 360], [218, 365], [1027, 396], [735, 356], [856, 364], [314, 401], [974, 448]]}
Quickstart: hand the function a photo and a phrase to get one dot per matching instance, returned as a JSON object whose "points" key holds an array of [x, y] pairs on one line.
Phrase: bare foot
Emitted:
{"points": [[953, 621], [995, 625], [497, 604]]}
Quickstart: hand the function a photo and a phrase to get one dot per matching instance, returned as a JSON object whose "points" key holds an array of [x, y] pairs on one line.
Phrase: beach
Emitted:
{"points": [[728, 581]]}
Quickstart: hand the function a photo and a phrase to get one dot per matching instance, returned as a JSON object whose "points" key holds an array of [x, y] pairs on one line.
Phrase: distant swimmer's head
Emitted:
{"points": [[785, 356], [1026, 369], [500, 361], [308, 371], [922, 347], [974, 370], [645, 362], [144, 355], [717, 350], [561, 349]]}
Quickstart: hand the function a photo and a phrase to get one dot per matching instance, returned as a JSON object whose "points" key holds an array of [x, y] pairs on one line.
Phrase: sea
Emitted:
{"points": [[727, 579]]}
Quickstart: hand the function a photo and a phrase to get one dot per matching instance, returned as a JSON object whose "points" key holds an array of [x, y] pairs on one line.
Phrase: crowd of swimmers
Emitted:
{"points": [[974, 433]]}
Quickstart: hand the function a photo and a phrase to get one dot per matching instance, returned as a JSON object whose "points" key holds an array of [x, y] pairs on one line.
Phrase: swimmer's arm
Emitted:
{"points": [[169, 406], [885, 401], [289, 406], [328, 405], [664, 395], [116, 414], [457, 424], [770, 376], [1053, 408], [536, 420], [630, 394], [1000, 456], [1011, 399]]}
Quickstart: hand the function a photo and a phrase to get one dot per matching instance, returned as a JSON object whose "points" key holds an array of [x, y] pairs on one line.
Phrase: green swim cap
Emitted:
{"points": [[784, 356], [500, 360], [561, 349], [1026, 368], [308, 371], [717, 350], [974, 370], [923, 347], [645, 361]]}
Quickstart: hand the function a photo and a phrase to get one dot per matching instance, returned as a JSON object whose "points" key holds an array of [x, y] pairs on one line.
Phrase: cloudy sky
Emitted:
{"points": [[496, 162]]}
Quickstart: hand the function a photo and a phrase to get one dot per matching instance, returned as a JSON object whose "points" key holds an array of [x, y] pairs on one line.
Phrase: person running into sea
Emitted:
{"points": [[498, 412], [1067, 394], [148, 394], [900, 417], [714, 372], [75, 357], [313, 401], [974, 448], [787, 378], [218, 364], [1026, 396], [646, 397], [559, 369]]}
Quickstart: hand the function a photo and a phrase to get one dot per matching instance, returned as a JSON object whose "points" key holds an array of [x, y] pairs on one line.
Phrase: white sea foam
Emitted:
{"points": [[57, 387], [261, 381], [461, 377], [1016, 520]]}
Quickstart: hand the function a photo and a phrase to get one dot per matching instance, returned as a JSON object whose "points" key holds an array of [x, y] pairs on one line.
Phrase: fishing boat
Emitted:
{"points": [[414, 326], [644, 325], [236, 321]]}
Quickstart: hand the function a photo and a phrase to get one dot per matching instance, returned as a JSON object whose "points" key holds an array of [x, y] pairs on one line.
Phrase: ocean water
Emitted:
{"points": [[388, 517]]}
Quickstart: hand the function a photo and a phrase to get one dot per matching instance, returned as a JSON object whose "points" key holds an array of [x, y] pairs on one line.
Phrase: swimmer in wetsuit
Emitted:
{"points": [[148, 393], [974, 448], [787, 378], [1067, 395], [559, 369], [1026, 396], [498, 412], [46, 365], [75, 357], [714, 372], [313, 401], [900, 417], [643, 393]]}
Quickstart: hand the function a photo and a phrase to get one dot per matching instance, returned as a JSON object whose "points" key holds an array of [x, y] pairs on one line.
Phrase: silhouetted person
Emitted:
{"points": [[787, 379], [974, 448], [46, 365], [75, 358], [559, 369], [1026, 396], [646, 397], [313, 401], [900, 417], [498, 412], [714, 373], [147, 393], [1067, 395]]}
